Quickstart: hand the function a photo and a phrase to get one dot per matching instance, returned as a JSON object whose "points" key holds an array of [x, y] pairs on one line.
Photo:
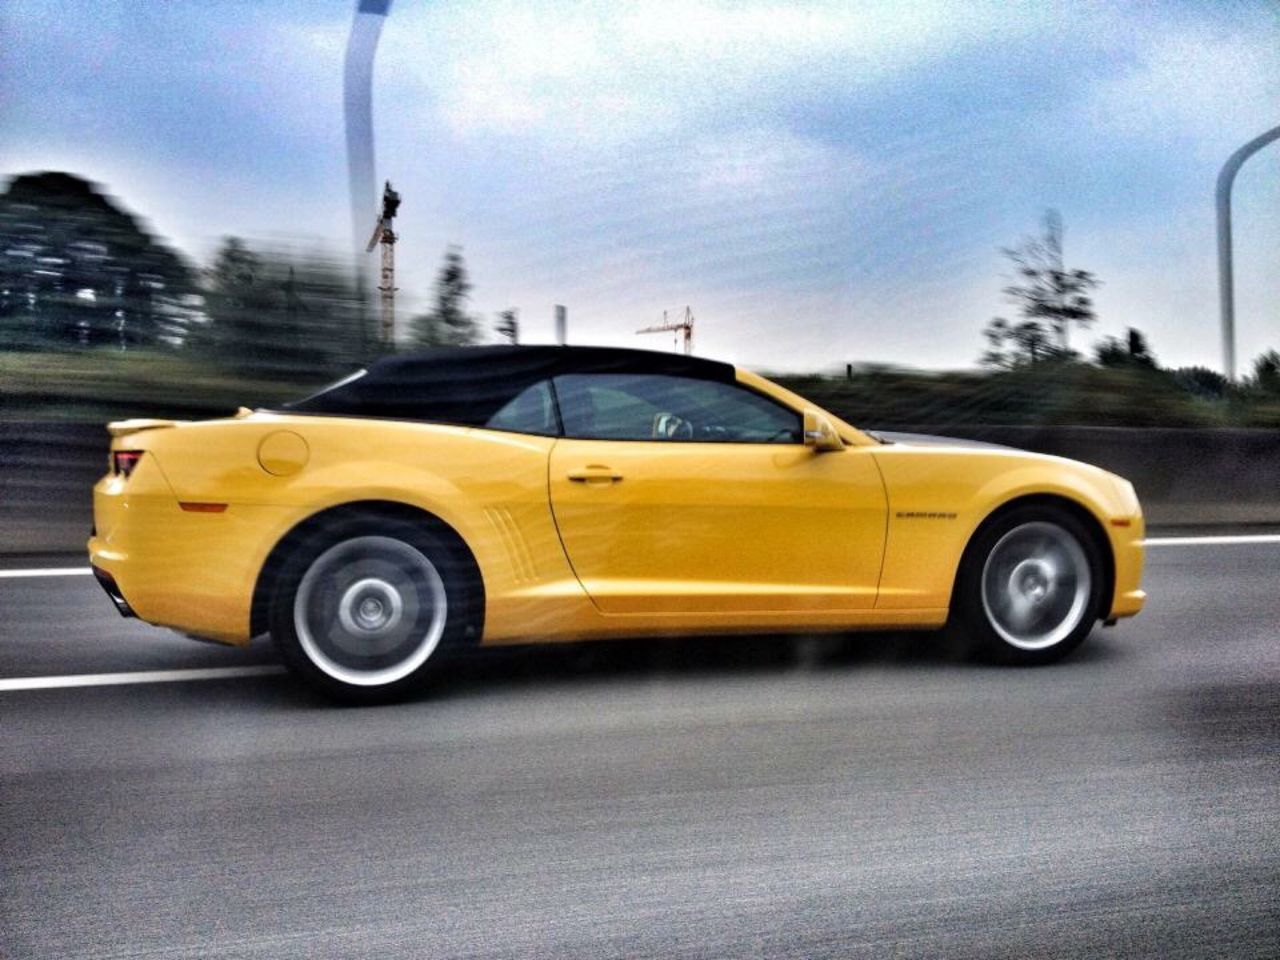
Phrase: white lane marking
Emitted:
{"points": [[1208, 541], [149, 676], [46, 572]]}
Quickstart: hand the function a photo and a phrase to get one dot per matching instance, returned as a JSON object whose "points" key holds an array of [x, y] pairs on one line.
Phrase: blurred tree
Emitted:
{"points": [[1201, 381], [275, 313], [76, 270], [448, 324], [241, 326], [320, 300], [508, 325], [1133, 351], [1011, 345], [1051, 299], [1266, 373]]}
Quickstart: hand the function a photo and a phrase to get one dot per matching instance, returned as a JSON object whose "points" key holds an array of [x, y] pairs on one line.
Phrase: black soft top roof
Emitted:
{"points": [[467, 385]]}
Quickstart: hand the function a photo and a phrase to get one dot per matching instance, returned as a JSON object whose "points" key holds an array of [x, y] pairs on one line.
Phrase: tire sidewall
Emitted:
{"points": [[458, 593], [979, 637]]}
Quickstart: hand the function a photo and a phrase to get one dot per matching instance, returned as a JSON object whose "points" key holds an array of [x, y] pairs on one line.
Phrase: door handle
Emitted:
{"points": [[594, 474]]}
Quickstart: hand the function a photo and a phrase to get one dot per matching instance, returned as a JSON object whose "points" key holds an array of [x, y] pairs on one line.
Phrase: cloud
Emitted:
{"points": [[1192, 87], [814, 179], [595, 73]]}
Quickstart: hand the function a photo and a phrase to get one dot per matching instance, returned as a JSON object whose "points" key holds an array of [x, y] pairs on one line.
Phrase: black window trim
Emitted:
{"points": [[560, 433], [555, 405]]}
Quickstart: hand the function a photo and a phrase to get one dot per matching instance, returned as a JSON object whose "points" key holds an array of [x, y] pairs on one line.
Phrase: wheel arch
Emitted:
{"points": [[390, 510], [1078, 511]]}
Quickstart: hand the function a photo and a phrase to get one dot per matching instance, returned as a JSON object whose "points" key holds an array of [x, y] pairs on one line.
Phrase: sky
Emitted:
{"points": [[821, 182]]}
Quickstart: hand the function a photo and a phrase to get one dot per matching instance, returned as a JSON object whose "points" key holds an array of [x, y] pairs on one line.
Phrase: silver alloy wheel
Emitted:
{"points": [[370, 610], [1036, 585]]}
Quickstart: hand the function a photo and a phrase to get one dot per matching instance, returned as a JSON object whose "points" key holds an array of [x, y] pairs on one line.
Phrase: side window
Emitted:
{"points": [[644, 407], [530, 411]]}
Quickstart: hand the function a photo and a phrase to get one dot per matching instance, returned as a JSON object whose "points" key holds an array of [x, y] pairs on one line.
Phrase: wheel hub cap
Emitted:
{"points": [[370, 606], [370, 610], [1036, 585], [1034, 580]]}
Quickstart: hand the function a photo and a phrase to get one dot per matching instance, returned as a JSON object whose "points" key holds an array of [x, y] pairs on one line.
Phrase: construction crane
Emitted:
{"points": [[383, 234], [682, 328]]}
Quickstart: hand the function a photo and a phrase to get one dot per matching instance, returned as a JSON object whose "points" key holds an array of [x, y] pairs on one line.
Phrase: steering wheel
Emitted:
{"points": [[669, 426]]}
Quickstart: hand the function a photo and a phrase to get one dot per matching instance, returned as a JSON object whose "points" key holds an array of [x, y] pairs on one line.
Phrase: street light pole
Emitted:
{"points": [[357, 102], [1226, 280]]}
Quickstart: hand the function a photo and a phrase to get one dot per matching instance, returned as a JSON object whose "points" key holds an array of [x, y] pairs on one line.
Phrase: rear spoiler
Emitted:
{"points": [[123, 428]]}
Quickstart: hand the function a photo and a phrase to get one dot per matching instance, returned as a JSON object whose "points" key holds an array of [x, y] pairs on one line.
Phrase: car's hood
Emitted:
{"points": [[928, 440]]}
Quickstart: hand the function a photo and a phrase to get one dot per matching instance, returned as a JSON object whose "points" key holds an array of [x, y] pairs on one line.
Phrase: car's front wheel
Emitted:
{"points": [[1030, 586], [360, 612]]}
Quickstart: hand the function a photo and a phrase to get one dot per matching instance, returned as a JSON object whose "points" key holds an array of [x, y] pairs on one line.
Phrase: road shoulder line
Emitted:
{"points": [[1212, 540], [146, 676], [46, 572]]}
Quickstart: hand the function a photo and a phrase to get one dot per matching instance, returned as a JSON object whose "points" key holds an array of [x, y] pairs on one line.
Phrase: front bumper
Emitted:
{"points": [[1129, 552]]}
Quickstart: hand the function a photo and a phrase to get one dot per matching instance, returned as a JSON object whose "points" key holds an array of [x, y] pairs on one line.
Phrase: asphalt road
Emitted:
{"points": [[834, 797]]}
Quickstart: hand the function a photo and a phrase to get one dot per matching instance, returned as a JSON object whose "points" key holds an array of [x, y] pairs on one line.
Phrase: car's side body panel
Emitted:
{"points": [[939, 495], [711, 528], [696, 537], [489, 487]]}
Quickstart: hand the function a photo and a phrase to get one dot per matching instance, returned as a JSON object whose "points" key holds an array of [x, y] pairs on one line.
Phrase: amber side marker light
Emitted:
{"points": [[195, 507], [1121, 522]]}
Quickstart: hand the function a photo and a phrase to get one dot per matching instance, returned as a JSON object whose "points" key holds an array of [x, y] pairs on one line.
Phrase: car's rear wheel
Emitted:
{"points": [[1029, 588], [361, 611]]}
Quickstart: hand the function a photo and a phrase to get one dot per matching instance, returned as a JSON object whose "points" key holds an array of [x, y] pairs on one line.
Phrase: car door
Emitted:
{"points": [[678, 495]]}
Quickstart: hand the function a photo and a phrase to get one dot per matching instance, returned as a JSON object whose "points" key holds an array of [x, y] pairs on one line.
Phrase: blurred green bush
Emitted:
{"points": [[106, 384], [1057, 394]]}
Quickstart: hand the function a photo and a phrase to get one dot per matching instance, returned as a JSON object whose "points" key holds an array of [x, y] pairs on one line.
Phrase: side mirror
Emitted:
{"points": [[819, 435]]}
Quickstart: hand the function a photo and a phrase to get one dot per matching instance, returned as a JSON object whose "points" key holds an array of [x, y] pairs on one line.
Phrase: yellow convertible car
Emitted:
{"points": [[504, 495]]}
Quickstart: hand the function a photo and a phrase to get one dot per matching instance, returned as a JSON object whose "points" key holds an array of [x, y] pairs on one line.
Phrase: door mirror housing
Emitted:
{"points": [[819, 435]]}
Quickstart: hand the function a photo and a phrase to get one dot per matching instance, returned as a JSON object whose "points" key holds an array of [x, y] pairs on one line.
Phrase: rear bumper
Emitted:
{"points": [[108, 584], [189, 570]]}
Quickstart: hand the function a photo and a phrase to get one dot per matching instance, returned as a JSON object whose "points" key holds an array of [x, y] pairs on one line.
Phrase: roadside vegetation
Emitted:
{"points": [[1032, 376], [1062, 393], [100, 320]]}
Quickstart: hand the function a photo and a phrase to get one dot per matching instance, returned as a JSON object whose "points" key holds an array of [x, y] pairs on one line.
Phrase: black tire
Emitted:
{"points": [[363, 607], [1029, 588]]}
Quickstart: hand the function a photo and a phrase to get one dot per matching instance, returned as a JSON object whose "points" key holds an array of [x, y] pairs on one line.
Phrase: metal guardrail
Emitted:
{"points": [[1185, 477]]}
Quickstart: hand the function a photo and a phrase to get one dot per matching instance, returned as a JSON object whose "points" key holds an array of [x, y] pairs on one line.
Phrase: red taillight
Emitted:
{"points": [[125, 460]]}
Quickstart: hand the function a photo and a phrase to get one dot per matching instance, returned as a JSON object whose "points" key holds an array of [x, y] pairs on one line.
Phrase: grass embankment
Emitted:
{"points": [[1058, 395], [105, 385]]}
